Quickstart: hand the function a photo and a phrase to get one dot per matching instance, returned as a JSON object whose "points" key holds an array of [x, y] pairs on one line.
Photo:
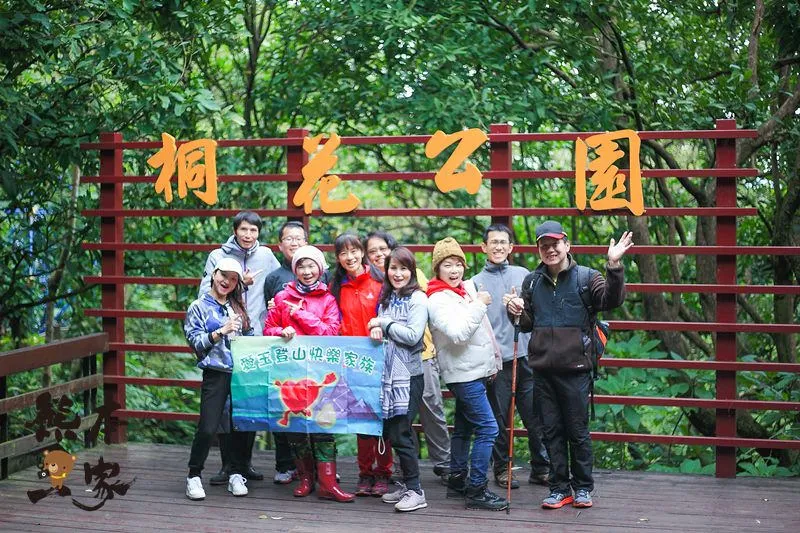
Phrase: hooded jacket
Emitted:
{"points": [[463, 346], [256, 258], [318, 313], [278, 279], [204, 316], [498, 280]]}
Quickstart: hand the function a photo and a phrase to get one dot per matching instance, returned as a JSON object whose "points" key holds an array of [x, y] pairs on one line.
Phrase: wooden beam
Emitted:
{"points": [[49, 354], [56, 391], [29, 443]]}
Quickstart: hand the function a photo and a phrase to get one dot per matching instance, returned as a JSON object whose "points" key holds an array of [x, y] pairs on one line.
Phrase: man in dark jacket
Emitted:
{"points": [[554, 309]]}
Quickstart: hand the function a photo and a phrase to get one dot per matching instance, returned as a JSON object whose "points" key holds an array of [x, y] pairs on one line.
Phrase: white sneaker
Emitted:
{"points": [[284, 478], [236, 485], [411, 501], [396, 496], [194, 488]]}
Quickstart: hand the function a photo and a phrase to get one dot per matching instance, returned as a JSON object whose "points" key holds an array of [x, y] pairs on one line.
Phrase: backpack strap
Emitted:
{"points": [[584, 290], [584, 278]]}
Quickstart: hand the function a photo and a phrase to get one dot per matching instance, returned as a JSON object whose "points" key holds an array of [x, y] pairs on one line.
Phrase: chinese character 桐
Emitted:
{"points": [[191, 173]]}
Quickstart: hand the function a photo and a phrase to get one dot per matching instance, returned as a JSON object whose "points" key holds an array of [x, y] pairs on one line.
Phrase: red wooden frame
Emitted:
{"points": [[112, 247]]}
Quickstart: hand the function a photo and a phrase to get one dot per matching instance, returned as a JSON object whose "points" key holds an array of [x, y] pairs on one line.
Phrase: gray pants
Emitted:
{"points": [[431, 415], [500, 400]]}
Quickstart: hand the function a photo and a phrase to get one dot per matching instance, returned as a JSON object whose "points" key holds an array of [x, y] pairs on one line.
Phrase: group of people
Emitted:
{"points": [[451, 329]]}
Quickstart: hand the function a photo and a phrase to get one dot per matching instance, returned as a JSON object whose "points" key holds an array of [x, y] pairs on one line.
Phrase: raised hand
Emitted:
{"points": [[617, 249]]}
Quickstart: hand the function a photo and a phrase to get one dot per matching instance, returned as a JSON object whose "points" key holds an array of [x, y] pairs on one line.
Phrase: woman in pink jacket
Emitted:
{"points": [[305, 307]]}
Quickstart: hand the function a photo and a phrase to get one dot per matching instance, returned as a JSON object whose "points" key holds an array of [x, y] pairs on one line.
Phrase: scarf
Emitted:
{"points": [[436, 285], [305, 289]]}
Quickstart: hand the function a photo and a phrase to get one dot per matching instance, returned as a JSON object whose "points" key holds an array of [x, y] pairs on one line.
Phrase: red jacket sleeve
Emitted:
{"points": [[274, 324]]}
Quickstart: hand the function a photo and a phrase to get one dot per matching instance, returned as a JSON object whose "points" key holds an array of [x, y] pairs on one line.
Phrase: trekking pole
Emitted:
{"points": [[511, 415]]}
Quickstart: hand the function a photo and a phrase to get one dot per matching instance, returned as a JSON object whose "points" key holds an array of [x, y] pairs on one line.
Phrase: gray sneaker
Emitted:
{"points": [[583, 498], [284, 478], [396, 495], [411, 501]]}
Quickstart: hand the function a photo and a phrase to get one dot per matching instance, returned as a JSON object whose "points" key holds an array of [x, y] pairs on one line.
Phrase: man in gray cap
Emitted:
{"points": [[557, 305]]}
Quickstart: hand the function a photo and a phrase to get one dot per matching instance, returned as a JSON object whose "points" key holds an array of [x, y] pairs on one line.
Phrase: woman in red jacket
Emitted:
{"points": [[305, 307], [356, 285]]}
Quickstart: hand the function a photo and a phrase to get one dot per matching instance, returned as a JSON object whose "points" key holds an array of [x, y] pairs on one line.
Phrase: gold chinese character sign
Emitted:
{"points": [[609, 183], [315, 182], [192, 173]]}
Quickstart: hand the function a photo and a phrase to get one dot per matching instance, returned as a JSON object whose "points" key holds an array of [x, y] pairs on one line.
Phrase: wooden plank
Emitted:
{"points": [[624, 501], [52, 353], [56, 391], [29, 443]]}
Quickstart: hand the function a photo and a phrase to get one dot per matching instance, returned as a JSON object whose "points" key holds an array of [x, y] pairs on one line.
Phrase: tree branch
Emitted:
{"points": [[752, 48], [698, 193], [785, 61], [747, 147]]}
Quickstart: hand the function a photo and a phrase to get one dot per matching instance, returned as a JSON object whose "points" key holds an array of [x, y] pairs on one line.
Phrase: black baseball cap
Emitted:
{"points": [[550, 228]]}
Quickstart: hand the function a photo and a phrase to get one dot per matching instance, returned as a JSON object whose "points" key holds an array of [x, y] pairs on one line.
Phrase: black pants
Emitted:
{"points": [[500, 400], [563, 401], [214, 392], [284, 460], [397, 430]]}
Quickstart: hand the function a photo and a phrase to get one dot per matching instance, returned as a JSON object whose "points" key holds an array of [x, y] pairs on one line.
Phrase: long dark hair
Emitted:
{"points": [[403, 256], [339, 274], [236, 299]]}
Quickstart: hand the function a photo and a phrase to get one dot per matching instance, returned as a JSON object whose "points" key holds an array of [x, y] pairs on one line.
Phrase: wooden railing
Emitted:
{"points": [[85, 348], [501, 176]]}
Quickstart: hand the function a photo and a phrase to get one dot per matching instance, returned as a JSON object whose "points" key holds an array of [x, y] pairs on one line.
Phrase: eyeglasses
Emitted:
{"points": [[498, 243], [289, 240]]}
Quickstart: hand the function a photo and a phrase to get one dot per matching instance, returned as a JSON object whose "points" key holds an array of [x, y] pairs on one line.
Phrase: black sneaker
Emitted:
{"points": [[440, 470], [484, 499], [501, 478], [221, 478], [253, 474], [456, 484], [540, 478]]}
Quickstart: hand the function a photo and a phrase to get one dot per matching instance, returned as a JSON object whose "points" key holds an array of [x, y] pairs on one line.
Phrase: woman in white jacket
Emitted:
{"points": [[468, 358]]}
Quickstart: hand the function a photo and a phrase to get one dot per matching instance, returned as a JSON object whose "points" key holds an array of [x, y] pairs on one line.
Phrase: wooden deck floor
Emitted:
{"points": [[623, 501]]}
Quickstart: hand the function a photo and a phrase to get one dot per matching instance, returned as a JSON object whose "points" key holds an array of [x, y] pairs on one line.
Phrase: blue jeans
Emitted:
{"points": [[473, 416]]}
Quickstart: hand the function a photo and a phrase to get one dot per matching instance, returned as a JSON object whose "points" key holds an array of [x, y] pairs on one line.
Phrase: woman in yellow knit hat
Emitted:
{"points": [[468, 357]]}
